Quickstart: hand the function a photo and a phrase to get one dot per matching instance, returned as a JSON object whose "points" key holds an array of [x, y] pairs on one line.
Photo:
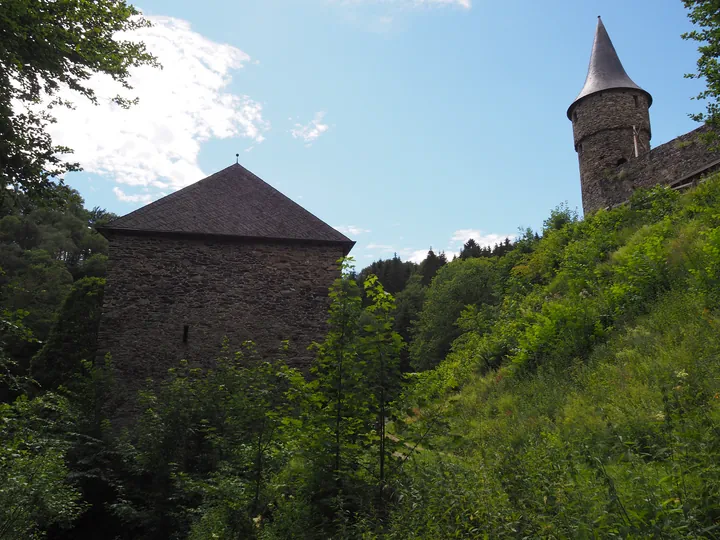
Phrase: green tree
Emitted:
{"points": [[42, 250], [73, 338], [705, 15], [460, 283], [409, 303], [39, 286], [342, 436], [339, 383], [471, 249], [206, 445], [34, 490], [430, 266], [48, 46], [559, 217], [381, 345], [13, 377], [392, 273]]}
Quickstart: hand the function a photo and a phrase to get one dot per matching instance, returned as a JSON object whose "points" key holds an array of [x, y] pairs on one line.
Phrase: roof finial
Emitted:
{"points": [[237, 159], [605, 71]]}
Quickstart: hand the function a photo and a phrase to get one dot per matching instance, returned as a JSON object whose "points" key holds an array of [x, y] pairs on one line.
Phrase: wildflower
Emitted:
{"points": [[682, 374], [659, 416]]}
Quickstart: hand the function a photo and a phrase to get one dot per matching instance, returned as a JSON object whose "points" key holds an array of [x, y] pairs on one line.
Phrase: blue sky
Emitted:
{"points": [[408, 123]]}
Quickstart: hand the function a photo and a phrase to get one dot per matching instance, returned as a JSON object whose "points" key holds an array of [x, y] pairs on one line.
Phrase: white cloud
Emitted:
{"points": [[156, 143], [461, 236], [351, 229], [137, 198], [419, 255], [414, 255], [311, 131], [458, 238]]}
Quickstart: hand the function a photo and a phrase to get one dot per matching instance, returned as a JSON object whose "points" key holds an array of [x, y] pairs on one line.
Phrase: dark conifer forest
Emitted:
{"points": [[563, 384]]}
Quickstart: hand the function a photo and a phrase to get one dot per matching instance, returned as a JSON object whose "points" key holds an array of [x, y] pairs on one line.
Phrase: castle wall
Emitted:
{"points": [[265, 292], [604, 139], [667, 164]]}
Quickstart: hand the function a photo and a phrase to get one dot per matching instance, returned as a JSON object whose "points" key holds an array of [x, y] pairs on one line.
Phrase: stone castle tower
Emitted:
{"points": [[228, 256], [611, 121]]}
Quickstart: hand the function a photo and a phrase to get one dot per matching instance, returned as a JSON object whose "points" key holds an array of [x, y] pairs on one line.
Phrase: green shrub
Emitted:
{"points": [[73, 337], [589, 407]]}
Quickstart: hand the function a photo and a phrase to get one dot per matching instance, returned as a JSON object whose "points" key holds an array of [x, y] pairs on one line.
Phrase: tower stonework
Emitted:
{"points": [[611, 126], [228, 257]]}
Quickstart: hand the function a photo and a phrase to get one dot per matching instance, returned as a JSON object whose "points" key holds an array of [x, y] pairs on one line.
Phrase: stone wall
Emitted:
{"points": [[609, 170], [668, 164], [158, 286], [604, 140]]}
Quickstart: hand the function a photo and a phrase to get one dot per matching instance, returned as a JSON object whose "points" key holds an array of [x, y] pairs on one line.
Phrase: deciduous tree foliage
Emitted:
{"points": [[45, 47], [73, 338], [356, 378], [457, 285], [587, 404], [578, 398], [569, 390], [43, 249], [705, 15], [34, 491]]}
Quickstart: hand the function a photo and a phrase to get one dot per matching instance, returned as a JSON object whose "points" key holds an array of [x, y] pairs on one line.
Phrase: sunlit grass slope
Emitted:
{"points": [[591, 408]]}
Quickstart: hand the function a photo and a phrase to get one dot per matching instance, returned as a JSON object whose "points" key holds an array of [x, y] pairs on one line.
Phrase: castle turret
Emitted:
{"points": [[611, 124]]}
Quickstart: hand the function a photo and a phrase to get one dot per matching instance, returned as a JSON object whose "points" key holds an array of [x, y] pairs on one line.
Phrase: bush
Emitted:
{"points": [[73, 338]]}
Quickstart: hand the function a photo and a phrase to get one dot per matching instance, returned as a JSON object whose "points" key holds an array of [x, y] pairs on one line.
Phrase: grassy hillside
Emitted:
{"points": [[587, 405]]}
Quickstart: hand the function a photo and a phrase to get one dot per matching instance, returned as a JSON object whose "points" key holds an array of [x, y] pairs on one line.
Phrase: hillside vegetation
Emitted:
{"points": [[586, 403], [566, 385]]}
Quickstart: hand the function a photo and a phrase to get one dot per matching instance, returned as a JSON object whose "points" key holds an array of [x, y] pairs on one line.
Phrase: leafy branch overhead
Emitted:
{"points": [[705, 15], [44, 48]]}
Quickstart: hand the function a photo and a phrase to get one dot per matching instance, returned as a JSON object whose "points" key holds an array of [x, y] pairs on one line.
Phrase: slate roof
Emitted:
{"points": [[605, 71], [232, 203]]}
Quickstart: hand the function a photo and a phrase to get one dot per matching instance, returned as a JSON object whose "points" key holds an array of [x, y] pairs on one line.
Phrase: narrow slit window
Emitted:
{"points": [[186, 329], [637, 103]]}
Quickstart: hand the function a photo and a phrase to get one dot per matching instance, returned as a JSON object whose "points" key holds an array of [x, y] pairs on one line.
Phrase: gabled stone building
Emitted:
{"points": [[228, 256], [611, 128]]}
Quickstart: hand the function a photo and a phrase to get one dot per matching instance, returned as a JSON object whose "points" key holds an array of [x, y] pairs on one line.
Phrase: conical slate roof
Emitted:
{"points": [[605, 71], [231, 203]]}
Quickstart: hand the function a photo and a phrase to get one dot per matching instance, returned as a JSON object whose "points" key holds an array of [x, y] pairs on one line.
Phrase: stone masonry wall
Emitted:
{"points": [[603, 135], [667, 164], [265, 292]]}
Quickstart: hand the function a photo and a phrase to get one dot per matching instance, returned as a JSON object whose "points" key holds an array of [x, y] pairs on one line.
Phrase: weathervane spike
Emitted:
{"points": [[237, 159]]}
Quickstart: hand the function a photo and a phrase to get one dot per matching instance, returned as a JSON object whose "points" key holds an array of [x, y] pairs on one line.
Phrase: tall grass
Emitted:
{"points": [[591, 409]]}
